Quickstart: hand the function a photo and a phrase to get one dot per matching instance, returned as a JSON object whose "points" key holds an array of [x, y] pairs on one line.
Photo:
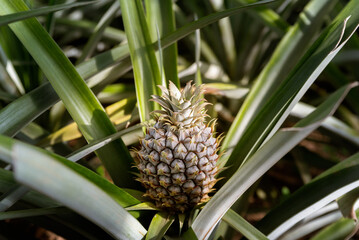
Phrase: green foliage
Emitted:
{"points": [[66, 133]]}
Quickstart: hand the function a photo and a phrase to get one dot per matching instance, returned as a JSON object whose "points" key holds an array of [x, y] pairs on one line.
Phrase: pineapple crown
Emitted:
{"points": [[181, 108]]}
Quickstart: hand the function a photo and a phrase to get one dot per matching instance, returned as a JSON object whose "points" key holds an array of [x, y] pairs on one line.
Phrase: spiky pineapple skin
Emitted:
{"points": [[178, 156], [178, 168]]}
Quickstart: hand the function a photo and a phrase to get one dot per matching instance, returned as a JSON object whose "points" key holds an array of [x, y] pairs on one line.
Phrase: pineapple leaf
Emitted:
{"points": [[265, 157], [12, 196], [242, 226], [69, 132], [32, 212], [92, 196], [73, 91], [332, 124], [159, 225], [98, 31], [269, 17], [276, 110], [144, 62], [284, 58], [22, 116], [312, 197], [142, 206], [160, 16], [14, 17], [342, 229], [347, 204]]}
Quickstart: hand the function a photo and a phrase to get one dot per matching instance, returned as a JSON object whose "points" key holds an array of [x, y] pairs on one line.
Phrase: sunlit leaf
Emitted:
{"points": [[91, 196], [73, 91], [14, 17], [271, 152], [242, 226], [159, 225]]}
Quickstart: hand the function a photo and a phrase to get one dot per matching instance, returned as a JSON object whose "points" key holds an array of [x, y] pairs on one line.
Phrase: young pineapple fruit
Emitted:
{"points": [[178, 157]]}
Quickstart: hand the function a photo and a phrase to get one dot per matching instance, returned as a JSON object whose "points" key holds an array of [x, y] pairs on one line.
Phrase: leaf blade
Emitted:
{"points": [[14, 17], [278, 107], [242, 226], [312, 197], [287, 53], [159, 226], [91, 196], [77, 97], [145, 66], [160, 15], [265, 157]]}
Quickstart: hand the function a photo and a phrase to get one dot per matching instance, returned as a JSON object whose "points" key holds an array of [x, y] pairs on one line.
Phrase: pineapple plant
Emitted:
{"points": [[54, 179], [178, 156]]}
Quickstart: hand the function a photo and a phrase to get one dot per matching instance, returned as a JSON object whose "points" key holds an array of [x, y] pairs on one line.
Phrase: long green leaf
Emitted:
{"points": [[204, 21], [121, 196], [10, 198], [103, 60], [70, 220], [332, 124], [15, 115], [160, 15], [98, 31], [22, 116], [76, 96], [94, 146], [11, 71], [198, 77], [6, 96], [118, 112], [284, 58], [337, 78], [159, 226], [144, 62], [7, 82], [278, 107], [228, 41], [306, 227], [89, 26], [347, 204], [142, 52], [341, 229], [269, 17], [32, 212], [91, 196], [260, 162], [190, 235], [14, 17], [122, 52], [7, 183], [312, 197], [242, 226], [206, 50]]}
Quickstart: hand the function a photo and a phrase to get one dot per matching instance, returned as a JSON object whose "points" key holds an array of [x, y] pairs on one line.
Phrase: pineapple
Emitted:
{"points": [[178, 156]]}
